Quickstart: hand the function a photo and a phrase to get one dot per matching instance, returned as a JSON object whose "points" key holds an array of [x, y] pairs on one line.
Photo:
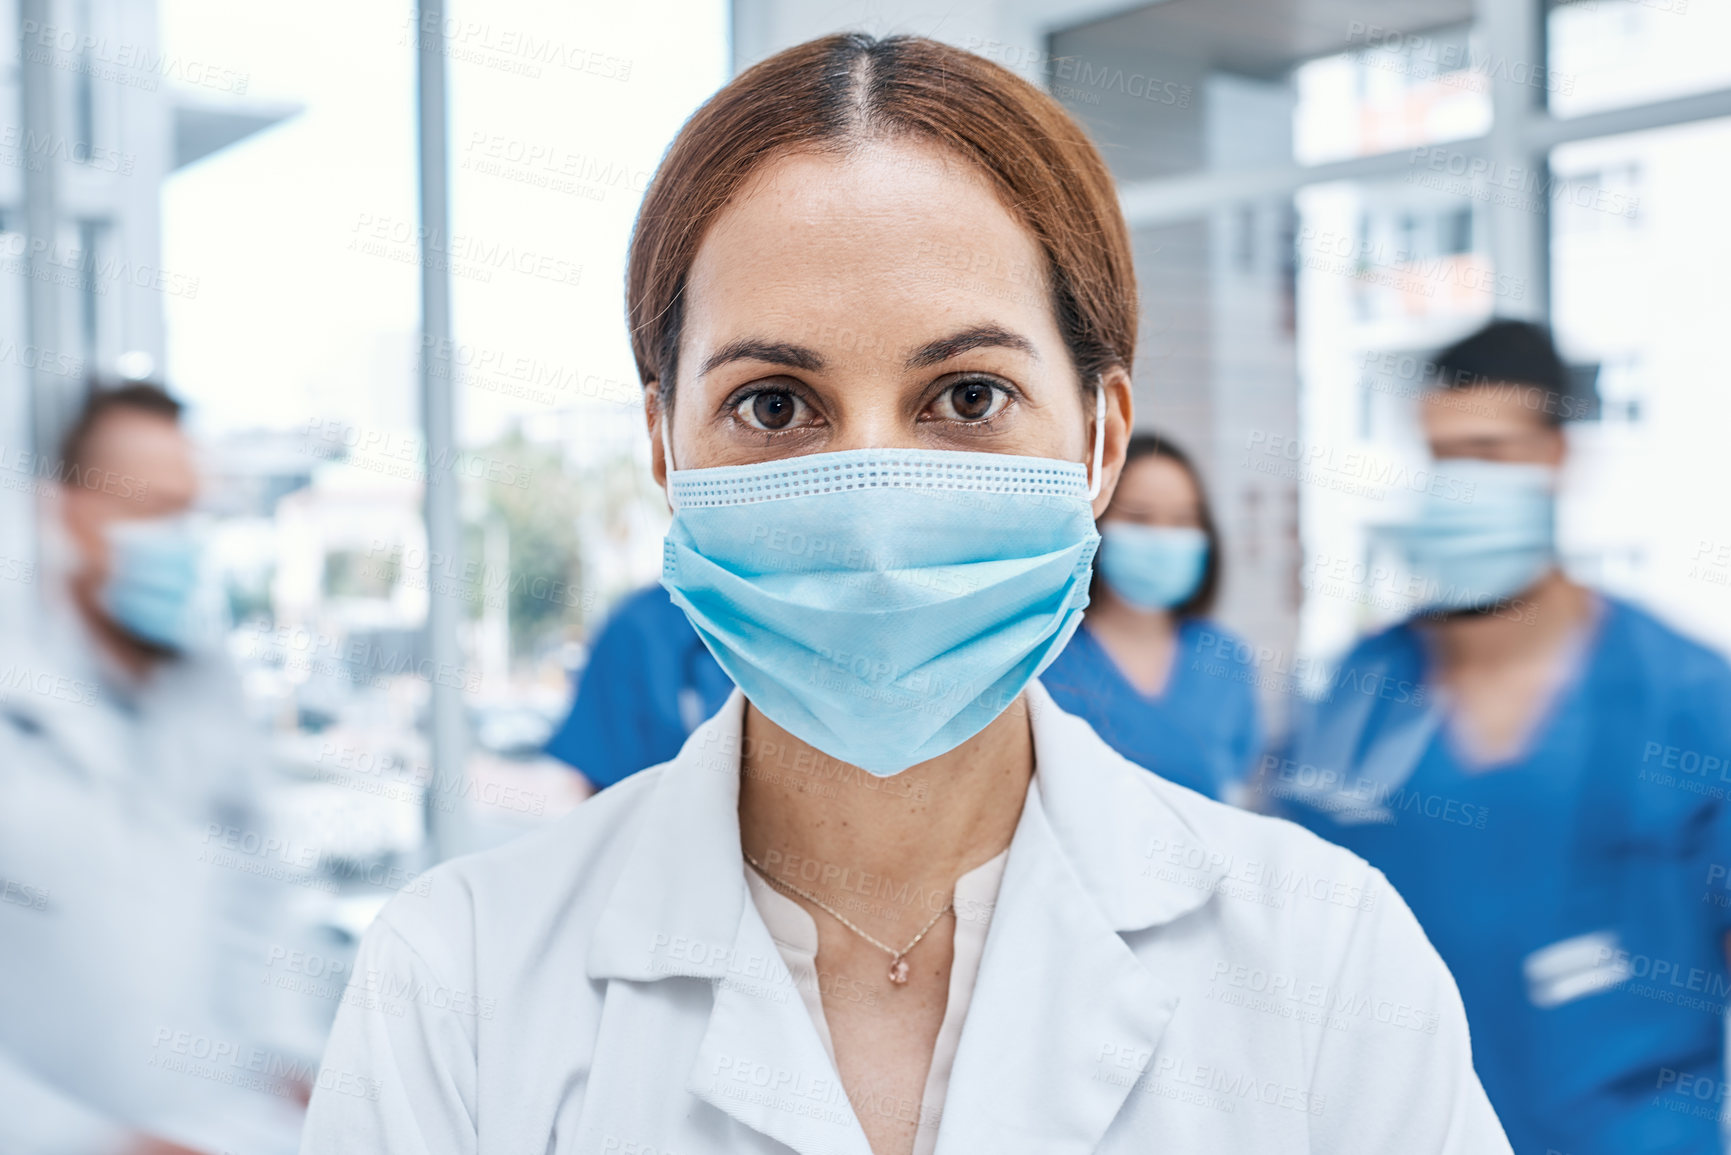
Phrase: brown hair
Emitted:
{"points": [[835, 93]]}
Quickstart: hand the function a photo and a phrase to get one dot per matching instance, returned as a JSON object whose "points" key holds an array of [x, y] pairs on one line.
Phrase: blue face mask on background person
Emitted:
{"points": [[883, 605], [1153, 567], [1474, 552], [155, 589]]}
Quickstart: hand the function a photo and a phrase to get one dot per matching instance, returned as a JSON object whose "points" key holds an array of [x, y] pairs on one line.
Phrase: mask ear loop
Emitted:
{"points": [[664, 421], [1099, 440]]}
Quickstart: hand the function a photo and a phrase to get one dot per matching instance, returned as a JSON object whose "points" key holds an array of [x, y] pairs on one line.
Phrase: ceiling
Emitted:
{"points": [[1267, 37]]}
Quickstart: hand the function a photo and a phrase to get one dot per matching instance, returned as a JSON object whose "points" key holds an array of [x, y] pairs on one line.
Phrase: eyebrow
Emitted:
{"points": [[773, 352], [978, 337], [932, 353]]}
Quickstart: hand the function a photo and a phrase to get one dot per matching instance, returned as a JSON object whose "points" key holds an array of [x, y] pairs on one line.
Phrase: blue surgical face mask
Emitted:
{"points": [[155, 587], [1484, 541], [883, 605], [1153, 567]]}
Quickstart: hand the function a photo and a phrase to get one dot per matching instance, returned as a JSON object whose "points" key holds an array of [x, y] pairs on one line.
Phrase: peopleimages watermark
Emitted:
{"points": [[520, 375], [1292, 996], [26, 356], [1251, 879], [469, 579], [1397, 589], [1411, 376], [31, 150], [548, 165], [1072, 77], [251, 1067], [406, 455], [46, 473], [20, 677], [513, 50], [126, 64], [328, 977], [1382, 803], [1165, 1076], [1689, 770], [463, 254], [1405, 270], [281, 858], [24, 894], [390, 776], [1374, 472], [362, 660], [79, 268], [1453, 62], [1527, 187]]}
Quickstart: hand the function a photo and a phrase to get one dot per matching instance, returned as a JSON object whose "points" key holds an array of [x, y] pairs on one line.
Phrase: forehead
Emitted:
{"points": [[1155, 477], [1492, 409], [142, 445], [893, 237], [1157, 482]]}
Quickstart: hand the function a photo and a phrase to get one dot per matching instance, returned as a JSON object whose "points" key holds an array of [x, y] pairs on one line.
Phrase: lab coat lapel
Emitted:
{"points": [[680, 907], [1063, 1013], [761, 1060]]}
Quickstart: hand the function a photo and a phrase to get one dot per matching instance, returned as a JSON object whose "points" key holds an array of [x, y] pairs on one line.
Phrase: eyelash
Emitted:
{"points": [[737, 401], [1012, 395]]}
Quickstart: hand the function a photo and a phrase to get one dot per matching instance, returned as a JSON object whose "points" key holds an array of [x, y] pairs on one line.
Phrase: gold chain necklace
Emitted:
{"points": [[898, 958]]}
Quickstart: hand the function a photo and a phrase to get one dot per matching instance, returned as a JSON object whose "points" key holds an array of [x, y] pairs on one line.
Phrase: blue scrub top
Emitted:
{"points": [[648, 683], [1201, 731], [1609, 832]]}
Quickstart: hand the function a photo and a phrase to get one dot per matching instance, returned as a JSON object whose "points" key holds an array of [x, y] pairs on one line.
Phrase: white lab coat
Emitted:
{"points": [[123, 949], [1161, 973]]}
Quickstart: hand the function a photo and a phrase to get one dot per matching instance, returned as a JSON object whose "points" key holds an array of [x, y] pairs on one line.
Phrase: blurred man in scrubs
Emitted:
{"points": [[136, 925], [1164, 685], [648, 683], [1540, 769]]}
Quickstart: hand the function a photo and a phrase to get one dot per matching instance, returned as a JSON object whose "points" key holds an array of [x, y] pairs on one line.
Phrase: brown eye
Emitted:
{"points": [[973, 400], [770, 410]]}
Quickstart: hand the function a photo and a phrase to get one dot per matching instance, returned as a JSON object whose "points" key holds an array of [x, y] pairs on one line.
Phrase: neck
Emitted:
{"points": [[1111, 613], [825, 825], [1535, 623]]}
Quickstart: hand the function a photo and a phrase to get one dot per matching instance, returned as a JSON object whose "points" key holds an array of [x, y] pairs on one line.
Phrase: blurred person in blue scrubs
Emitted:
{"points": [[1157, 679], [648, 683], [132, 1015], [1540, 771]]}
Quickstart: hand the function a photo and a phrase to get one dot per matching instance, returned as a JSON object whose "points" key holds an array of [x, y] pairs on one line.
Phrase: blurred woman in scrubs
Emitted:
{"points": [[1161, 683], [647, 685]]}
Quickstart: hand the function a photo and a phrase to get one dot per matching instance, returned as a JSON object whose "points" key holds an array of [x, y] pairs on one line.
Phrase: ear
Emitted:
{"points": [[1120, 420], [1557, 447], [653, 416]]}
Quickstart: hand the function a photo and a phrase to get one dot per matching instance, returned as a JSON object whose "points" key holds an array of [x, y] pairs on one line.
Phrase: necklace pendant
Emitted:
{"points": [[899, 972]]}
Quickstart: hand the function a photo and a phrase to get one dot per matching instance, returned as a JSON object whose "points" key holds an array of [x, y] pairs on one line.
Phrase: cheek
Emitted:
{"points": [[1061, 429], [84, 527]]}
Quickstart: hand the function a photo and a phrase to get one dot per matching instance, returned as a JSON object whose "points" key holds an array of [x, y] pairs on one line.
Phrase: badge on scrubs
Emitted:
{"points": [[1575, 968]]}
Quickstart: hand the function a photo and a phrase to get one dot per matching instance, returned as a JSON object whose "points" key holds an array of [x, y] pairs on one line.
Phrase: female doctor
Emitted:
{"points": [[891, 899]]}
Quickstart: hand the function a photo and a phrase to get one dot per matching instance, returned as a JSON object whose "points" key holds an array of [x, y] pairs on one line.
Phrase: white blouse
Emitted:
{"points": [[794, 932]]}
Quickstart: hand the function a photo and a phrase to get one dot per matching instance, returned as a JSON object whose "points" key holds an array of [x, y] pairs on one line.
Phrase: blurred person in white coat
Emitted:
{"points": [[891, 899], [133, 941]]}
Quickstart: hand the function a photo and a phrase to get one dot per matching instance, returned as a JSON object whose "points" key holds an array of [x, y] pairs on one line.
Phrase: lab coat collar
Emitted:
{"points": [[1060, 999], [1139, 861], [1064, 1016], [675, 908]]}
